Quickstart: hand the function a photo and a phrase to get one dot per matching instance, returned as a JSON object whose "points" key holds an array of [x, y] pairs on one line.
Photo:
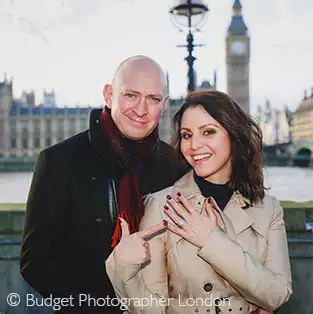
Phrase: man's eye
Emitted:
{"points": [[131, 96], [155, 100]]}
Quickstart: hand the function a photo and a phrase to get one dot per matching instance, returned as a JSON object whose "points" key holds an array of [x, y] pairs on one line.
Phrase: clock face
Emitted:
{"points": [[238, 47]]}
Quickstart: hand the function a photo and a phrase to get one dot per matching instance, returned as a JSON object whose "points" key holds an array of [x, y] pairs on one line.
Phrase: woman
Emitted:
{"points": [[224, 248]]}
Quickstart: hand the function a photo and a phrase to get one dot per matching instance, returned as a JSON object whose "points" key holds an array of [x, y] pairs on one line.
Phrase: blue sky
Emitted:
{"points": [[74, 46]]}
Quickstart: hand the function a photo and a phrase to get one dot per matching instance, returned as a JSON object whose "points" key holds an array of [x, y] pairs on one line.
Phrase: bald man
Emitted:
{"points": [[83, 185]]}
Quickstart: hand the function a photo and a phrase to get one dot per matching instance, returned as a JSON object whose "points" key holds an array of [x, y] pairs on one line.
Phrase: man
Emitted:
{"points": [[81, 186]]}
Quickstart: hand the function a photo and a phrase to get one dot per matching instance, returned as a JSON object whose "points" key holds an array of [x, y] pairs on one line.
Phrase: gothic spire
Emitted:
{"points": [[237, 25]]}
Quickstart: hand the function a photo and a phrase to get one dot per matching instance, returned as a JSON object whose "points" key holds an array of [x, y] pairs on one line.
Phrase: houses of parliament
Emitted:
{"points": [[27, 128]]}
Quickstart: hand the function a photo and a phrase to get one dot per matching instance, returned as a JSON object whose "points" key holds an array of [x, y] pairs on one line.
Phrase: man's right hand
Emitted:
{"points": [[133, 248]]}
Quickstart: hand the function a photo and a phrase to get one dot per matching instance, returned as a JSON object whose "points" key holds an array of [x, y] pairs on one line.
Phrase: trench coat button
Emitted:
{"points": [[93, 178], [240, 309], [208, 310], [98, 220], [97, 121], [196, 311], [208, 287]]}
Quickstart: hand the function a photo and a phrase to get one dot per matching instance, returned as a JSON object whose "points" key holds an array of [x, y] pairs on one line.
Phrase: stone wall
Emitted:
{"points": [[300, 250], [300, 242]]}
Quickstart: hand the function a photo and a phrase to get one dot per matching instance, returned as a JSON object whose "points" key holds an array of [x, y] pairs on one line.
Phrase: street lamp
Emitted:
{"points": [[189, 14]]}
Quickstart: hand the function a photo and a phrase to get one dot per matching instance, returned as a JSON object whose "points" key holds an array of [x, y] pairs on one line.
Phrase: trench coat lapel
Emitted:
{"points": [[237, 212], [244, 215]]}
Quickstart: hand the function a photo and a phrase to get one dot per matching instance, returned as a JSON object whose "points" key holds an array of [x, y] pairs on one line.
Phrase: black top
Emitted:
{"points": [[220, 192]]}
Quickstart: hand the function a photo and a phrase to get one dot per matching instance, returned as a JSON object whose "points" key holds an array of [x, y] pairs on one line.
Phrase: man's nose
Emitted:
{"points": [[141, 108]]}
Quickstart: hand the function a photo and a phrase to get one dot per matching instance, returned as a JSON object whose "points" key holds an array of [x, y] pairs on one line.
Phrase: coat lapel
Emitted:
{"points": [[243, 215], [239, 217]]}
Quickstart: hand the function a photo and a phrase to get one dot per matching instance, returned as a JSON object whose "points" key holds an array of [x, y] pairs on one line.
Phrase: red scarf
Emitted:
{"points": [[127, 156]]}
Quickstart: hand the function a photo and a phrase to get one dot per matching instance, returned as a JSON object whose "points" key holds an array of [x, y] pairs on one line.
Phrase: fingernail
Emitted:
{"points": [[164, 223], [210, 200], [168, 197], [178, 194], [166, 207]]}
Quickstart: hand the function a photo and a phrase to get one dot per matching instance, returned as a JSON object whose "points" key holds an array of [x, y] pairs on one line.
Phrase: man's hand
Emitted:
{"points": [[134, 248]]}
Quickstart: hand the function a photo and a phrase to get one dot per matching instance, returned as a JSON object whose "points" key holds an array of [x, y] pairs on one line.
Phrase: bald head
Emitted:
{"points": [[138, 65], [137, 96]]}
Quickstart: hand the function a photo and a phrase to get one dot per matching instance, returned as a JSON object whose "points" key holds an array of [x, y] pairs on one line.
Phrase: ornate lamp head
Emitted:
{"points": [[189, 13]]}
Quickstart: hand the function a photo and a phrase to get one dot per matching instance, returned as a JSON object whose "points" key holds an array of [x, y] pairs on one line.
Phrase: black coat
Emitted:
{"points": [[68, 227]]}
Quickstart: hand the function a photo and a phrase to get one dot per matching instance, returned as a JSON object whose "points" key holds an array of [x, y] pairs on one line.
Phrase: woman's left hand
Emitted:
{"points": [[190, 224]]}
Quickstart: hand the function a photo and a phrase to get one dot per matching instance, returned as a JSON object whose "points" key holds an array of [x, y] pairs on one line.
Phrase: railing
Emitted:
{"points": [[307, 241], [6, 242]]}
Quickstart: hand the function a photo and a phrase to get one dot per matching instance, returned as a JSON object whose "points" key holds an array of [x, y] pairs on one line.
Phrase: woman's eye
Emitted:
{"points": [[186, 136], [209, 132]]}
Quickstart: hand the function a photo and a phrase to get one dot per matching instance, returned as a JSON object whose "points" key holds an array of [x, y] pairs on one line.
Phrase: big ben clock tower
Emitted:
{"points": [[238, 55]]}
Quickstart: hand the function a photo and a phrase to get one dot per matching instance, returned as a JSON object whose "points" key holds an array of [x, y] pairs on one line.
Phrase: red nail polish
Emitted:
{"points": [[165, 223], [166, 207], [178, 194], [210, 201], [168, 197]]}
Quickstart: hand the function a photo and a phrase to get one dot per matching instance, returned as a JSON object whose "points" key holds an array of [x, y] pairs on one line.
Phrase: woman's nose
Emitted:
{"points": [[195, 142]]}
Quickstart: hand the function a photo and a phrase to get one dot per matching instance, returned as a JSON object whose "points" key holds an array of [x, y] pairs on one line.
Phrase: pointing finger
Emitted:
{"points": [[153, 229]]}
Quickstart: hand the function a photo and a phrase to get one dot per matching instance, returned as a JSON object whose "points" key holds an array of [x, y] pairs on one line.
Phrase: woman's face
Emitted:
{"points": [[205, 145]]}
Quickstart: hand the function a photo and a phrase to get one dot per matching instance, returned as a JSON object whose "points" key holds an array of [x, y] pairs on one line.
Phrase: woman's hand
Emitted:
{"points": [[133, 248], [190, 225]]}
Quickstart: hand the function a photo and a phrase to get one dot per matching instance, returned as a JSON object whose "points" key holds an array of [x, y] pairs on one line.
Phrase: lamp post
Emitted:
{"points": [[189, 14]]}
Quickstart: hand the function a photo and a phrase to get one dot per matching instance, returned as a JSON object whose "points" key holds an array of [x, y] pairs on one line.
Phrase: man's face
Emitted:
{"points": [[136, 99]]}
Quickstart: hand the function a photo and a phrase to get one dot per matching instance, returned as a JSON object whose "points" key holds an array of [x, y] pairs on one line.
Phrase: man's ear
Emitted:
{"points": [[107, 95], [165, 101]]}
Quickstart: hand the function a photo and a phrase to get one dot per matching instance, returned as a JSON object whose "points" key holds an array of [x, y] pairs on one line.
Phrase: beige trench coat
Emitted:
{"points": [[243, 263]]}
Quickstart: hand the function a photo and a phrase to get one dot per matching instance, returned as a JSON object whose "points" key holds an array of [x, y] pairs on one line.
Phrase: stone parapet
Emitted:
{"points": [[300, 242]]}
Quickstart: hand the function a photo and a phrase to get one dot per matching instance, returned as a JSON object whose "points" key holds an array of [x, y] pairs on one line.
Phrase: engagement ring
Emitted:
{"points": [[180, 223]]}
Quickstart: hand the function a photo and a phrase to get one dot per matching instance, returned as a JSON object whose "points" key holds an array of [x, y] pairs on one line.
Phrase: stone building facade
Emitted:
{"points": [[302, 121], [25, 128], [275, 124]]}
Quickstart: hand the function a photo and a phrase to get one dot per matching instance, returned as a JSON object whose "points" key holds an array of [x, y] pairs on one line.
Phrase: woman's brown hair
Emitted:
{"points": [[245, 136]]}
